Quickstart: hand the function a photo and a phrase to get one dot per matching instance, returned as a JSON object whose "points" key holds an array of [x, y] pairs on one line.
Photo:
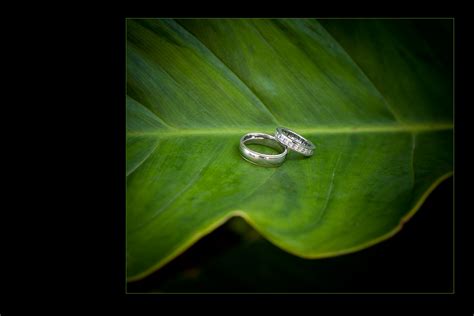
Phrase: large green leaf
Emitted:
{"points": [[374, 96]]}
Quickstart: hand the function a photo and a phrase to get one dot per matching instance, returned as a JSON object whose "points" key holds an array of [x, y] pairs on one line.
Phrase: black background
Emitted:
{"points": [[64, 138]]}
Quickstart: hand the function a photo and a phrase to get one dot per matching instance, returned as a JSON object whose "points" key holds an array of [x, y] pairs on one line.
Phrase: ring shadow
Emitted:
{"points": [[293, 155]]}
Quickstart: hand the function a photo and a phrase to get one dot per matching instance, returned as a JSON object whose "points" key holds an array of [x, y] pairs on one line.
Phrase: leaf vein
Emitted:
{"points": [[254, 93], [179, 193], [385, 102], [143, 160], [330, 190]]}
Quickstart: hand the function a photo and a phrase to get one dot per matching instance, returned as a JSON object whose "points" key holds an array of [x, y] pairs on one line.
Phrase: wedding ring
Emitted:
{"points": [[260, 159], [294, 141]]}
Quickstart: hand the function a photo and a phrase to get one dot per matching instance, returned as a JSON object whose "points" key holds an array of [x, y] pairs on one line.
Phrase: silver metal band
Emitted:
{"points": [[260, 159], [294, 141]]}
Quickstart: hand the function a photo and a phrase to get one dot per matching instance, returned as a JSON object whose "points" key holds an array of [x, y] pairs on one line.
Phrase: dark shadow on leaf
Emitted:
{"points": [[292, 155]]}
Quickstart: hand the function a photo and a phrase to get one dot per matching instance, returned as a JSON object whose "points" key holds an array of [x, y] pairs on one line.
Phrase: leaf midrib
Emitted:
{"points": [[399, 128]]}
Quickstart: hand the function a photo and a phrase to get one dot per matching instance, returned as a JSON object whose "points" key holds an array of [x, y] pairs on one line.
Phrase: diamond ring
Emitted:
{"points": [[294, 141]]}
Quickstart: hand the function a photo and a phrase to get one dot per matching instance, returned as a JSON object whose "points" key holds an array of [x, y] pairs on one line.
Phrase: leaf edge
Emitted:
{"points": [[239, 213]]}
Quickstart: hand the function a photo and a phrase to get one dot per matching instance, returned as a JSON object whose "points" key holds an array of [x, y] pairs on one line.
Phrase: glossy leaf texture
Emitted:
{"points": [[374, 96]]}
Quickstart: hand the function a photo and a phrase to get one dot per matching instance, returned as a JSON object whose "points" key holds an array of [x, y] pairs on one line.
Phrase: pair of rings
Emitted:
{"points": [[283, 140]]}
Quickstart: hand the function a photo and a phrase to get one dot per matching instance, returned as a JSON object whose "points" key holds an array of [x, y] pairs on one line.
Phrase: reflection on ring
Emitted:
{"points": [[261, 159]]}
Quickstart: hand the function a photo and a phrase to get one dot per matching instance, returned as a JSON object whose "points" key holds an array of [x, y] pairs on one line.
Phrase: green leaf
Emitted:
{"points": [[375, 97]]}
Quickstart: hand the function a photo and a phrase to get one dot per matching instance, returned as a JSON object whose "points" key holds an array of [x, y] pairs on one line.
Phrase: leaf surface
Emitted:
{"points": [[373, 96]]}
